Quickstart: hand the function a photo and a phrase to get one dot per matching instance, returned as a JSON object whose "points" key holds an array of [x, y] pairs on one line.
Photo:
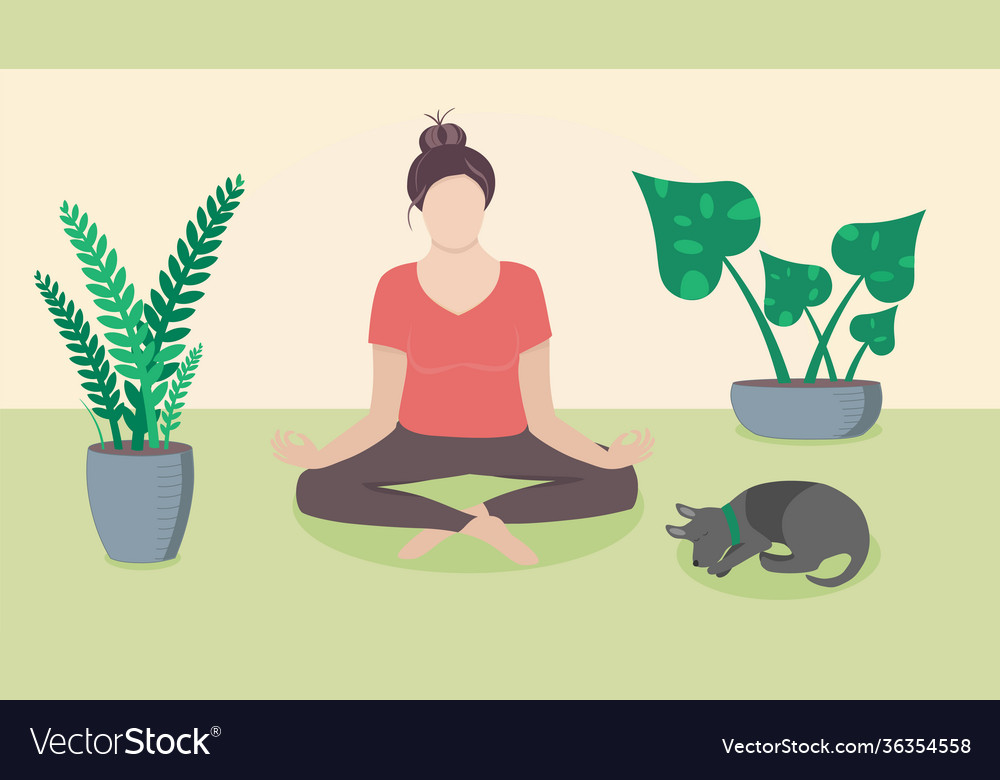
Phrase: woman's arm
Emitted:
{"points": [[536, 394], [389, 371]]}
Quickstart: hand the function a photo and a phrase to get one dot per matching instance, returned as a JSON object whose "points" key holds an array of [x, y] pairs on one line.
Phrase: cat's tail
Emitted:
{"points": [[858, 558]]}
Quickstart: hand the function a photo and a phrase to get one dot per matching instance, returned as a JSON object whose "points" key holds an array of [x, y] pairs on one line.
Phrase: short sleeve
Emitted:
{"points": [[532, 317], [390, 322]]}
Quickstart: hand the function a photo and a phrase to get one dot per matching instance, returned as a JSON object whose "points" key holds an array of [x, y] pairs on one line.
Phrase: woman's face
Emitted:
{"points": [[453, 211]]}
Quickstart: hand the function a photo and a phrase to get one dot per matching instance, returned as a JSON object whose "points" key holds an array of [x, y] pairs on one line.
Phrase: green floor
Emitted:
{"points": [[257, 607]]}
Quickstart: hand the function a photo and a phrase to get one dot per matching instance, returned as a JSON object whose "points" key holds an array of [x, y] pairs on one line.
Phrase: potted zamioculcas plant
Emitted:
{"points": [[699, 226], [140, 494]]}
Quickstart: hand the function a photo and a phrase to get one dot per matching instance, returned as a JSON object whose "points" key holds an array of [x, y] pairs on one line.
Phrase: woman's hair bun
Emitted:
{"points": [[441, 134]]}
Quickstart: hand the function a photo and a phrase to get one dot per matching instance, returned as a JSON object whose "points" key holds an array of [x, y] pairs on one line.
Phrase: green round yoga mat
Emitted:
{"points": [[553, 543]]}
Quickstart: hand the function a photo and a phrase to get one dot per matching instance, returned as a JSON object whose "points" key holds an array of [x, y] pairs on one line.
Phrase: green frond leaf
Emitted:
{"points": [[178, 315], [192, 234], [175, 335], [135, 316], [110, 321], [130, 372], [175, 269], [202, 219], [100, 289], [169, 353], [133, 394], [118, 339], [151, 316], [166, 283], [158, 303], [102, 246], [159, 392], [192, 296], [204, 262], [128, 296], [118, 283], [106, 305], [124, 355], [210, 246], [194, 279]]}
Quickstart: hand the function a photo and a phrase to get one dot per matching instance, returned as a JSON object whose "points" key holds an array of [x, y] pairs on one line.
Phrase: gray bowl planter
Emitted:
{"points": [[795, 410], [140, 500]]}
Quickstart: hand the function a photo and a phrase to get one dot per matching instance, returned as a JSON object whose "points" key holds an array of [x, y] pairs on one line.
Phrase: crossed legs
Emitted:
{"points": [[358, 490]]}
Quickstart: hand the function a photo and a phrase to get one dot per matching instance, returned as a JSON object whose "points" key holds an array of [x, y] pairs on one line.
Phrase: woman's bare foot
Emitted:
{"points": [[424, 542], [493, 531], [428, 539]]}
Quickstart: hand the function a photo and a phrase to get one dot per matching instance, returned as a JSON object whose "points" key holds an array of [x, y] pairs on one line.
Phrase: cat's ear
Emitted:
{"points": [[686, 511], [676, 531]]}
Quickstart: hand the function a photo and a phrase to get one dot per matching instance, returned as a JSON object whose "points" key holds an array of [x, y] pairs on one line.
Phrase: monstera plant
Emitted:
{"points": [[140, 495], [698, 227]]}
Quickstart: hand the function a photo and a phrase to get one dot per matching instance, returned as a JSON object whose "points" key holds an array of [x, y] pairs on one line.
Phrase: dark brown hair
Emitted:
{"points": [[443, 153]]}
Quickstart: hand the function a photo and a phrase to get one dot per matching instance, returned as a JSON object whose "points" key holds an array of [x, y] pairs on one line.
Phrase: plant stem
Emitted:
{"points": [[857, 359], [99, 434], [825, 338], [780, 370], [826, 352]]}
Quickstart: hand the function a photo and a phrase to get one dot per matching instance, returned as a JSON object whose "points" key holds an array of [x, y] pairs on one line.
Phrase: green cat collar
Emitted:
{"points": [[734, 528]]}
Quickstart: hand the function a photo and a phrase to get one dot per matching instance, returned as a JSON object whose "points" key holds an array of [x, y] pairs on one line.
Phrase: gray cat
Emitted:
{"points": [[813, 520]]}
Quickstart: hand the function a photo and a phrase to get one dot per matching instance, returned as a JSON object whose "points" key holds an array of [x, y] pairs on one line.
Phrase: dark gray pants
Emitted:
{"points": [[355, 490]]}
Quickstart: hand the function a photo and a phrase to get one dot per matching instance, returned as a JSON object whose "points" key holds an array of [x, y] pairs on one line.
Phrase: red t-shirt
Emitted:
{"points": [[461, 370]]}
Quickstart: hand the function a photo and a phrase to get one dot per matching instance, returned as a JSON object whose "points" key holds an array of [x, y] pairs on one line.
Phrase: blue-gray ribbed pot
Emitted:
{"points": [[140, 500], [795, 410]]}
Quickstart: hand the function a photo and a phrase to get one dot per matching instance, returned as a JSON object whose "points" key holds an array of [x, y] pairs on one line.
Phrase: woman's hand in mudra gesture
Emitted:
{"points": [[304, 455], [621, 455]]}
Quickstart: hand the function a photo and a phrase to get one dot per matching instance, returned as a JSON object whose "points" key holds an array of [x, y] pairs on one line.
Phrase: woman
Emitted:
{"points": [[461, 386]]}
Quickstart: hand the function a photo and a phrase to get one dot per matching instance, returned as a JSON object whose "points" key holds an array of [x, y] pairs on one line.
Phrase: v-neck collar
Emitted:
{"points": [[416, 278]]}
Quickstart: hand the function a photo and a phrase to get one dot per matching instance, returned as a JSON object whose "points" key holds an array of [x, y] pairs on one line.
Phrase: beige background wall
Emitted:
{"points": [[325, 153]]}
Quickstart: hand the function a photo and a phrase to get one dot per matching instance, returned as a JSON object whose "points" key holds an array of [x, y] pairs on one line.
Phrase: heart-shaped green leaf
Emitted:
{"points": [[697, 226], [791, 287], [876, 330], [881, 252]]}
